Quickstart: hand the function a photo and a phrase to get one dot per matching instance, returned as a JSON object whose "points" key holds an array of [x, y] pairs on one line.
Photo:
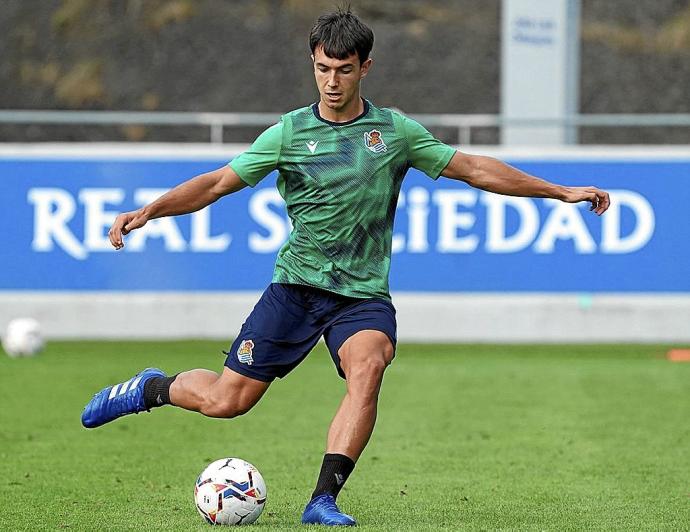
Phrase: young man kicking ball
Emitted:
{"points": [[341, 163]]}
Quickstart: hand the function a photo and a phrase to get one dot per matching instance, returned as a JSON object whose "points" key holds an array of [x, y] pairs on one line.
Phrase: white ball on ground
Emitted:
{"points": [[23, 338], [230, 491]]}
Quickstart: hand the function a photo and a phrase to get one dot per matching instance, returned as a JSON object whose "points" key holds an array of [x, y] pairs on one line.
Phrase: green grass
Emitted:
{"points": [[468, 437]]}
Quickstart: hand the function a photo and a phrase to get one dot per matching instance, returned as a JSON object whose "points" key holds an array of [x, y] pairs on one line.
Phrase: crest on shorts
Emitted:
{"points": [[374, 142], [245, 351]]}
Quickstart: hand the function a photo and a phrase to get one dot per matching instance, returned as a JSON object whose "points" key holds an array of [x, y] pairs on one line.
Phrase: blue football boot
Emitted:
{"points": [[119, 400], [322, 510]]}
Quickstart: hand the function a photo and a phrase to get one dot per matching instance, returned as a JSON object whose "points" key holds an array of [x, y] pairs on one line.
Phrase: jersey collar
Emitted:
{"points": [[315, 109]]}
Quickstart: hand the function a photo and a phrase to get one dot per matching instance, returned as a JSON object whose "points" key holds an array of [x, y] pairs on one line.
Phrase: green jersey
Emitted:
{"points": [[340, 181]]}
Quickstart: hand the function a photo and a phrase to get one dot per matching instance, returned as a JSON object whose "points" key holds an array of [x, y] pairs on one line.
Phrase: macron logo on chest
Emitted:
{"points": [[312, 145]]}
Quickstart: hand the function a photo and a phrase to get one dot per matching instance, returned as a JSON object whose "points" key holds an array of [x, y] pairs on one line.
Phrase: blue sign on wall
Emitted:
{"points": [[55, 214]]}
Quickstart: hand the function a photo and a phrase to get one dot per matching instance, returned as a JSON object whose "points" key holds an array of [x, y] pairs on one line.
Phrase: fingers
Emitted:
{"points": [[116, 231], [123, 224], [600, 201]]}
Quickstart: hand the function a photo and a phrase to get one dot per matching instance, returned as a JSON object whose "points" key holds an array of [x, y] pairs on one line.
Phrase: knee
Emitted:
{"points": [[370, 369], [388, 352], [376, 365], [380, 360]]}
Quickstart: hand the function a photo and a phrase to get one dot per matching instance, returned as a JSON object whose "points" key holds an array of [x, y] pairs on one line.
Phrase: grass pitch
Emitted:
{"points": [[468, 437]]}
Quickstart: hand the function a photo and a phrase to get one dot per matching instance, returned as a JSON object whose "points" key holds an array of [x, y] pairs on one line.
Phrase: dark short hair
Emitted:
{"points": [[342, 34]]}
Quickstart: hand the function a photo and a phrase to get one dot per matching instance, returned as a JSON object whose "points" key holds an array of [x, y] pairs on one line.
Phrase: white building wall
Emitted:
{"points": [[422, 317]]}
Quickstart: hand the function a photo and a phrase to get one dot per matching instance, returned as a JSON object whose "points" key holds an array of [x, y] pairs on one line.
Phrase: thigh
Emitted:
{"points": [[369, 315], [276, 336]]}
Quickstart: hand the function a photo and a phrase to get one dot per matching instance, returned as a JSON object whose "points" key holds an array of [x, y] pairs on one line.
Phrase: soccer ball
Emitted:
{"points": [[230, 491], [23, 338]]}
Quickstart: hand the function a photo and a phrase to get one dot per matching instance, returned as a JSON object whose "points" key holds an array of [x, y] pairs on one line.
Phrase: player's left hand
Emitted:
{"points": [[598, 198]]}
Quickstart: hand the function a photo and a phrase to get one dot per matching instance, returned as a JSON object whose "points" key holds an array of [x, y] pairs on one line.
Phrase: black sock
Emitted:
{"points": [[334, 472], [157, 391]]}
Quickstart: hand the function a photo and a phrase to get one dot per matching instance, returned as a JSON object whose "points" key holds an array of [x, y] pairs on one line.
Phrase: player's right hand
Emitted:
{"points": [[124, 223]]}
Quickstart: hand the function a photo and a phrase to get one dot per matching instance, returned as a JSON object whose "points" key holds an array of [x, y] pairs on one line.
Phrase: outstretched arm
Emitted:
{"points": [[493, 175], [187, 197]]}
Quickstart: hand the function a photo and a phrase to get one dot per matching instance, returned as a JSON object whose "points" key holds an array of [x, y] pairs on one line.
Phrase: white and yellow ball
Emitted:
{"points": [[230, 491]]}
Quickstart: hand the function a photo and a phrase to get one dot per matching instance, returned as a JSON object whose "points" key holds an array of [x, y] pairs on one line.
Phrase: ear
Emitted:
{"points": [[364, 69]]}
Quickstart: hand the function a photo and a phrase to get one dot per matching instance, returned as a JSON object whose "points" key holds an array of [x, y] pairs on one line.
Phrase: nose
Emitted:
{"points": [[333, 79]]}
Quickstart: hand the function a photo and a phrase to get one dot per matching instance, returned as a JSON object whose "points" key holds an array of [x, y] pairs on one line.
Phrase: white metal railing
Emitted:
{"points": [[216, 122]]}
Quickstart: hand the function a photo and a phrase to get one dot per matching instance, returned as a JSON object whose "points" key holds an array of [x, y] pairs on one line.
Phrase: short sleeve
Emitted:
{"points": [[427, 153], [262, 156]]}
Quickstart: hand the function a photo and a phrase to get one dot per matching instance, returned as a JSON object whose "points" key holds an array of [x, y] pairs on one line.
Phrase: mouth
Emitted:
{"points": [[333, 96]]}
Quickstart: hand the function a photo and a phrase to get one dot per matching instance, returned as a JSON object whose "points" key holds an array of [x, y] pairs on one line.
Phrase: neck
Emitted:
{"points": [[348, 112]]}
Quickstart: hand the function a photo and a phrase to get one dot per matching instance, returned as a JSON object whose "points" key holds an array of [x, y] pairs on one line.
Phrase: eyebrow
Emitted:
{"points": [[341, 66]]}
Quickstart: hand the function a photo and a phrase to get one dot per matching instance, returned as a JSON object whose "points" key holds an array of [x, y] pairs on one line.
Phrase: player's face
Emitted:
{"points": [[338, 79]]}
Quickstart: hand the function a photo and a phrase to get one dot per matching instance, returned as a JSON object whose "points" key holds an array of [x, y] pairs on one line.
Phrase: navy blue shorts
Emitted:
{"points": [[289, 320]]}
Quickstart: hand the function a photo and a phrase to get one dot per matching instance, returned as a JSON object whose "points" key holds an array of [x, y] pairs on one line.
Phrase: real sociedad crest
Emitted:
{"points": [[245, 352], [374, 142]]}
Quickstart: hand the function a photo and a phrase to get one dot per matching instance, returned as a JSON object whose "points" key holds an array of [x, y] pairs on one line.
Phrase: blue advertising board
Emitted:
{"points": [[55, 213]]}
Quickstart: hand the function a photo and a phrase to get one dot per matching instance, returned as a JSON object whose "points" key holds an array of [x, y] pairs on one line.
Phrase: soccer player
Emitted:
{"points": [[341, 162]]}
